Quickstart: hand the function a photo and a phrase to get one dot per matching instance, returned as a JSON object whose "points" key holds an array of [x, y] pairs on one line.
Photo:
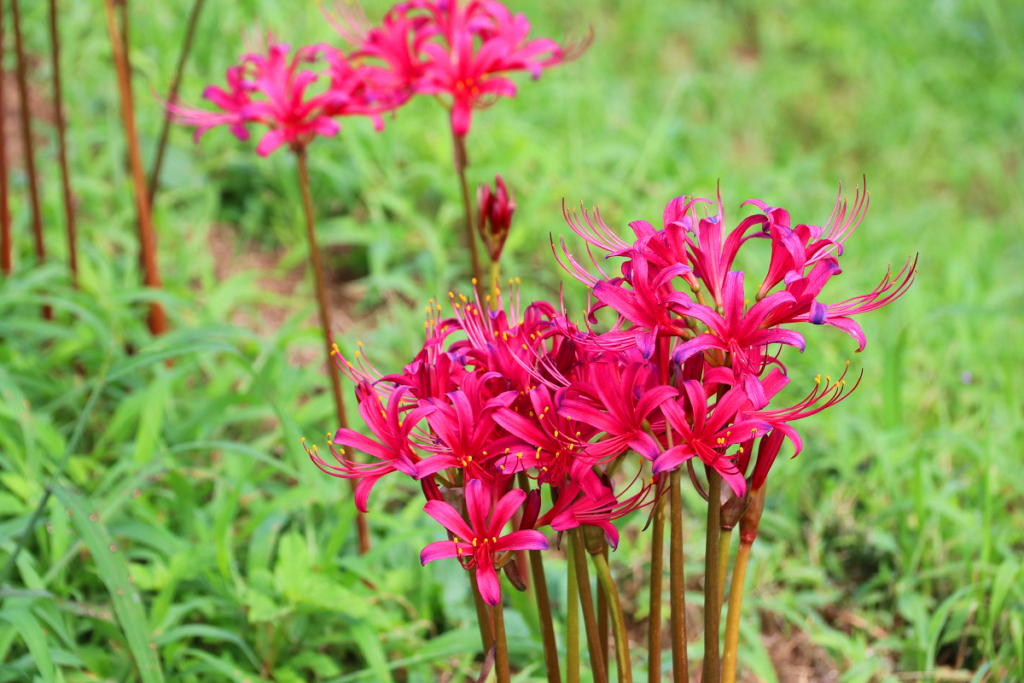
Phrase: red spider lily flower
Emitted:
{"points": [[708, 437], [465, 432], [396, 45], [555, 443], [839, 315], [495, 216], [393, 452], [648, 305], [576, 508], [740, 333], [477, 41], [820, 398], [477, 544], [272, 89], [617, 402]]}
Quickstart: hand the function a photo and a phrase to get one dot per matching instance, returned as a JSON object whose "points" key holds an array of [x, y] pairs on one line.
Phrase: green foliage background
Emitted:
{"points": [[190, 539]]}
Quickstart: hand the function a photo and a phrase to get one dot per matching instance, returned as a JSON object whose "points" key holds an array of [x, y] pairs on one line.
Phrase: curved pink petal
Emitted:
{"points": [[445, 515], [487, 581], [527, 539]]}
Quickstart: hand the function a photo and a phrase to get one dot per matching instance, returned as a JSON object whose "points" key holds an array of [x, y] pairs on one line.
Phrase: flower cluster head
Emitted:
{"points": [[294, 95], [461, 51], [514, 419]]}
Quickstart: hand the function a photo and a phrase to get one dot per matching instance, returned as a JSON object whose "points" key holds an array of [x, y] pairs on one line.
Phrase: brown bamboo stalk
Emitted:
{"points": [[5, 210], [323, 304], [26, 138], [62, 154], [147, 237], [172, 97]]}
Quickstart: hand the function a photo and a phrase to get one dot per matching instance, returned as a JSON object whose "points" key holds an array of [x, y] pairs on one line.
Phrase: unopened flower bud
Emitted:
{"points": [[531, 509], [495, 209]]}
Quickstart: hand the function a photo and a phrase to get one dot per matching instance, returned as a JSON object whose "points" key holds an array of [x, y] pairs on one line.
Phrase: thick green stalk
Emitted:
{"points": [[603, 616], [677, 582], [572, 623], [654, 617], [587, 603], [540, 592], [604, 576], [712, 668], [732, 624], [723, 566], [501, 665]]}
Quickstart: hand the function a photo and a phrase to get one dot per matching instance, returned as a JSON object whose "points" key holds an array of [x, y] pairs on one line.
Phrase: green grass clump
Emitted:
{"points": [[188, 538]]}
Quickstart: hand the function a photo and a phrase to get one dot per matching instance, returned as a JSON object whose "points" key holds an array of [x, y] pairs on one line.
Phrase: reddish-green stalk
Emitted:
{"points": [[572, 621], [677, 581], [603, 616], [712, 670], [147, 238], [654, 611], [748, 532], [540, 592], [26, 138], [5, 210], [62, 152], [501, 665], [323, 305], [461, 161], [483, 619], [172, 98], [587, 603], [604, 577]]}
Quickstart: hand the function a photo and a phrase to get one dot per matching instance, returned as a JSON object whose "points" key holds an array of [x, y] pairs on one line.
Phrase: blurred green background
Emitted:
{"points": [[891, 548]]}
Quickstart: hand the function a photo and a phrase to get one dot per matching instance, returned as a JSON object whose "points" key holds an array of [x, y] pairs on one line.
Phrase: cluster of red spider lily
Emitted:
{"points": [[461, 52], [505, 402]]}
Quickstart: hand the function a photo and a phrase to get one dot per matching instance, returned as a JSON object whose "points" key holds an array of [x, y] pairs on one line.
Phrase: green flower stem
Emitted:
{"points": [[712, 668], [572, 623], [587, 603], [604, 576], [654, 616], [501, 665], [677, 582]]}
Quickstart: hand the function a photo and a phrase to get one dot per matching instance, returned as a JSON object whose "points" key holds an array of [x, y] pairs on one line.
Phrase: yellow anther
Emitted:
{"points": [[474, 281], [556, 433], [303, 440], [517, 281], [525, 347], [348, 364], [359, 344]]}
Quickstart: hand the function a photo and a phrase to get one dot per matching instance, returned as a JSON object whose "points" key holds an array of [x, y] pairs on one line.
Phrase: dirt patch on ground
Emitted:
{"points": [[289, 289]]}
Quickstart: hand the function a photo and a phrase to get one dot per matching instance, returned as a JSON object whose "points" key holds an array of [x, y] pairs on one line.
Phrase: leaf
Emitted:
{"points": [[113, 571], [26, 625]]}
